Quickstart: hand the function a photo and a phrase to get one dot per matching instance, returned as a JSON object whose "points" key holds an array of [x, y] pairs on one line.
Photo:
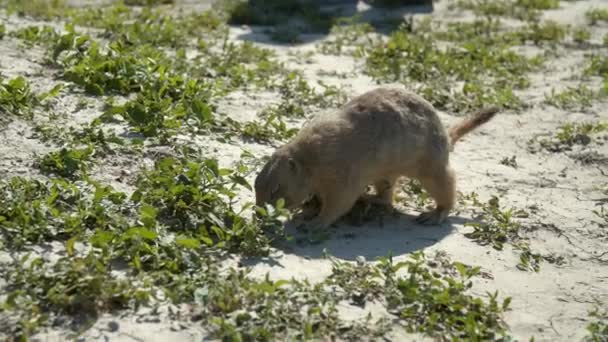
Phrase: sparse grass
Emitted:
{"points": [[498, 227], [597, 15], [581, 35], [528, 10], [42, 9], [598, 329], [68, 163], [162, 75], [490, 73], [597, 66], [539, 33], [345, 34], [412, 298], [570, 134], [579, 98], [18, 99], [35, 34]]}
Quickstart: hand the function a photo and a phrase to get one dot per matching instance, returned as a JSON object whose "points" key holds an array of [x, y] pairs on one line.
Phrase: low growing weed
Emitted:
{"points": [[17, 98], [580, 97], [598, 329], [570, 134], [597, 15], [498, 227], [67, 162]]}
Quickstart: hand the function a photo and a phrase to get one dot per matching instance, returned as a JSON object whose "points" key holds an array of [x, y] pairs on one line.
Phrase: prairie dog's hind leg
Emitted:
{"points": [[441, 186]]}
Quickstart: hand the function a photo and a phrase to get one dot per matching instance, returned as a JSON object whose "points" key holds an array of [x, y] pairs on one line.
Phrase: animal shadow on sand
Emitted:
{"points": [[392, 231], [383, 19]]}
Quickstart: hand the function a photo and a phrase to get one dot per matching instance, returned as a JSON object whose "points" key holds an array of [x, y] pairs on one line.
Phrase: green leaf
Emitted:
{"points": [[141, 232], [69, 245], [187, 242]]}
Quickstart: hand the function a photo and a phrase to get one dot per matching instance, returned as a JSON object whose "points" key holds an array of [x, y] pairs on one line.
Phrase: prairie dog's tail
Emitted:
{"points": [[465, 126]]}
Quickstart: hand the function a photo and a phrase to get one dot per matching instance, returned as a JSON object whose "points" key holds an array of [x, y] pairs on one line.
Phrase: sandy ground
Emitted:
{"points": [[559, 192]]}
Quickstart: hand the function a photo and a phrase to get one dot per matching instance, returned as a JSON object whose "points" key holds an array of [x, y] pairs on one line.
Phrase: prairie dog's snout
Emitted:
{"points": [[282, 177], [373, 139]]}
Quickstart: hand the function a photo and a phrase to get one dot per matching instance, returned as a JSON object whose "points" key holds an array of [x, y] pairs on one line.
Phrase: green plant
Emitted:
{"points": [[543, 32], [580, 98], [35, 34], [198, 197], [498, 227], [489, 74], [570, 134], [34, 211], [344, 34], [437, 304], [17, 98], [597, 66], [596, 15], [581, 35], [43, 9], [598, 330], [68, 163]]}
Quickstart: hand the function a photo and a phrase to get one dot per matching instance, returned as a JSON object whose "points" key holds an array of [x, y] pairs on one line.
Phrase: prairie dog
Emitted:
{"points": [[373, 139]]}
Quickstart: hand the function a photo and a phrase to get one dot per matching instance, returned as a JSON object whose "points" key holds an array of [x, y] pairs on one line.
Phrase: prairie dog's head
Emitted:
{"points": [[282, 177]]}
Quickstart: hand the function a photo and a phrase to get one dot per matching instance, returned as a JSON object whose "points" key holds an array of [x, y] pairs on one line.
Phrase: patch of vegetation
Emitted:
{"points": [[41, 9], [167, 234], [579, 98], [528, 10], [435, 304], [570, 134], [581, 35], [105, 142], [598, 330], [18, 99], [34, 211], [597, 15], [597, 66], [240, 308], [2, 31], [498, 227], [68, 163], [344, 34], [297, 96], [543, 32], [488, 74], [150, 26], [198, 198], [35, 34]]}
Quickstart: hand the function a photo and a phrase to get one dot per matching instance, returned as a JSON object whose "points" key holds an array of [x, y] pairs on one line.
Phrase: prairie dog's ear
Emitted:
{"points": [[293, 165]]}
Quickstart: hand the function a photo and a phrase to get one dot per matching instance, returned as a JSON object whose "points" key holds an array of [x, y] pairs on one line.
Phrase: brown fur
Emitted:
{"points": [[374, 139]]}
